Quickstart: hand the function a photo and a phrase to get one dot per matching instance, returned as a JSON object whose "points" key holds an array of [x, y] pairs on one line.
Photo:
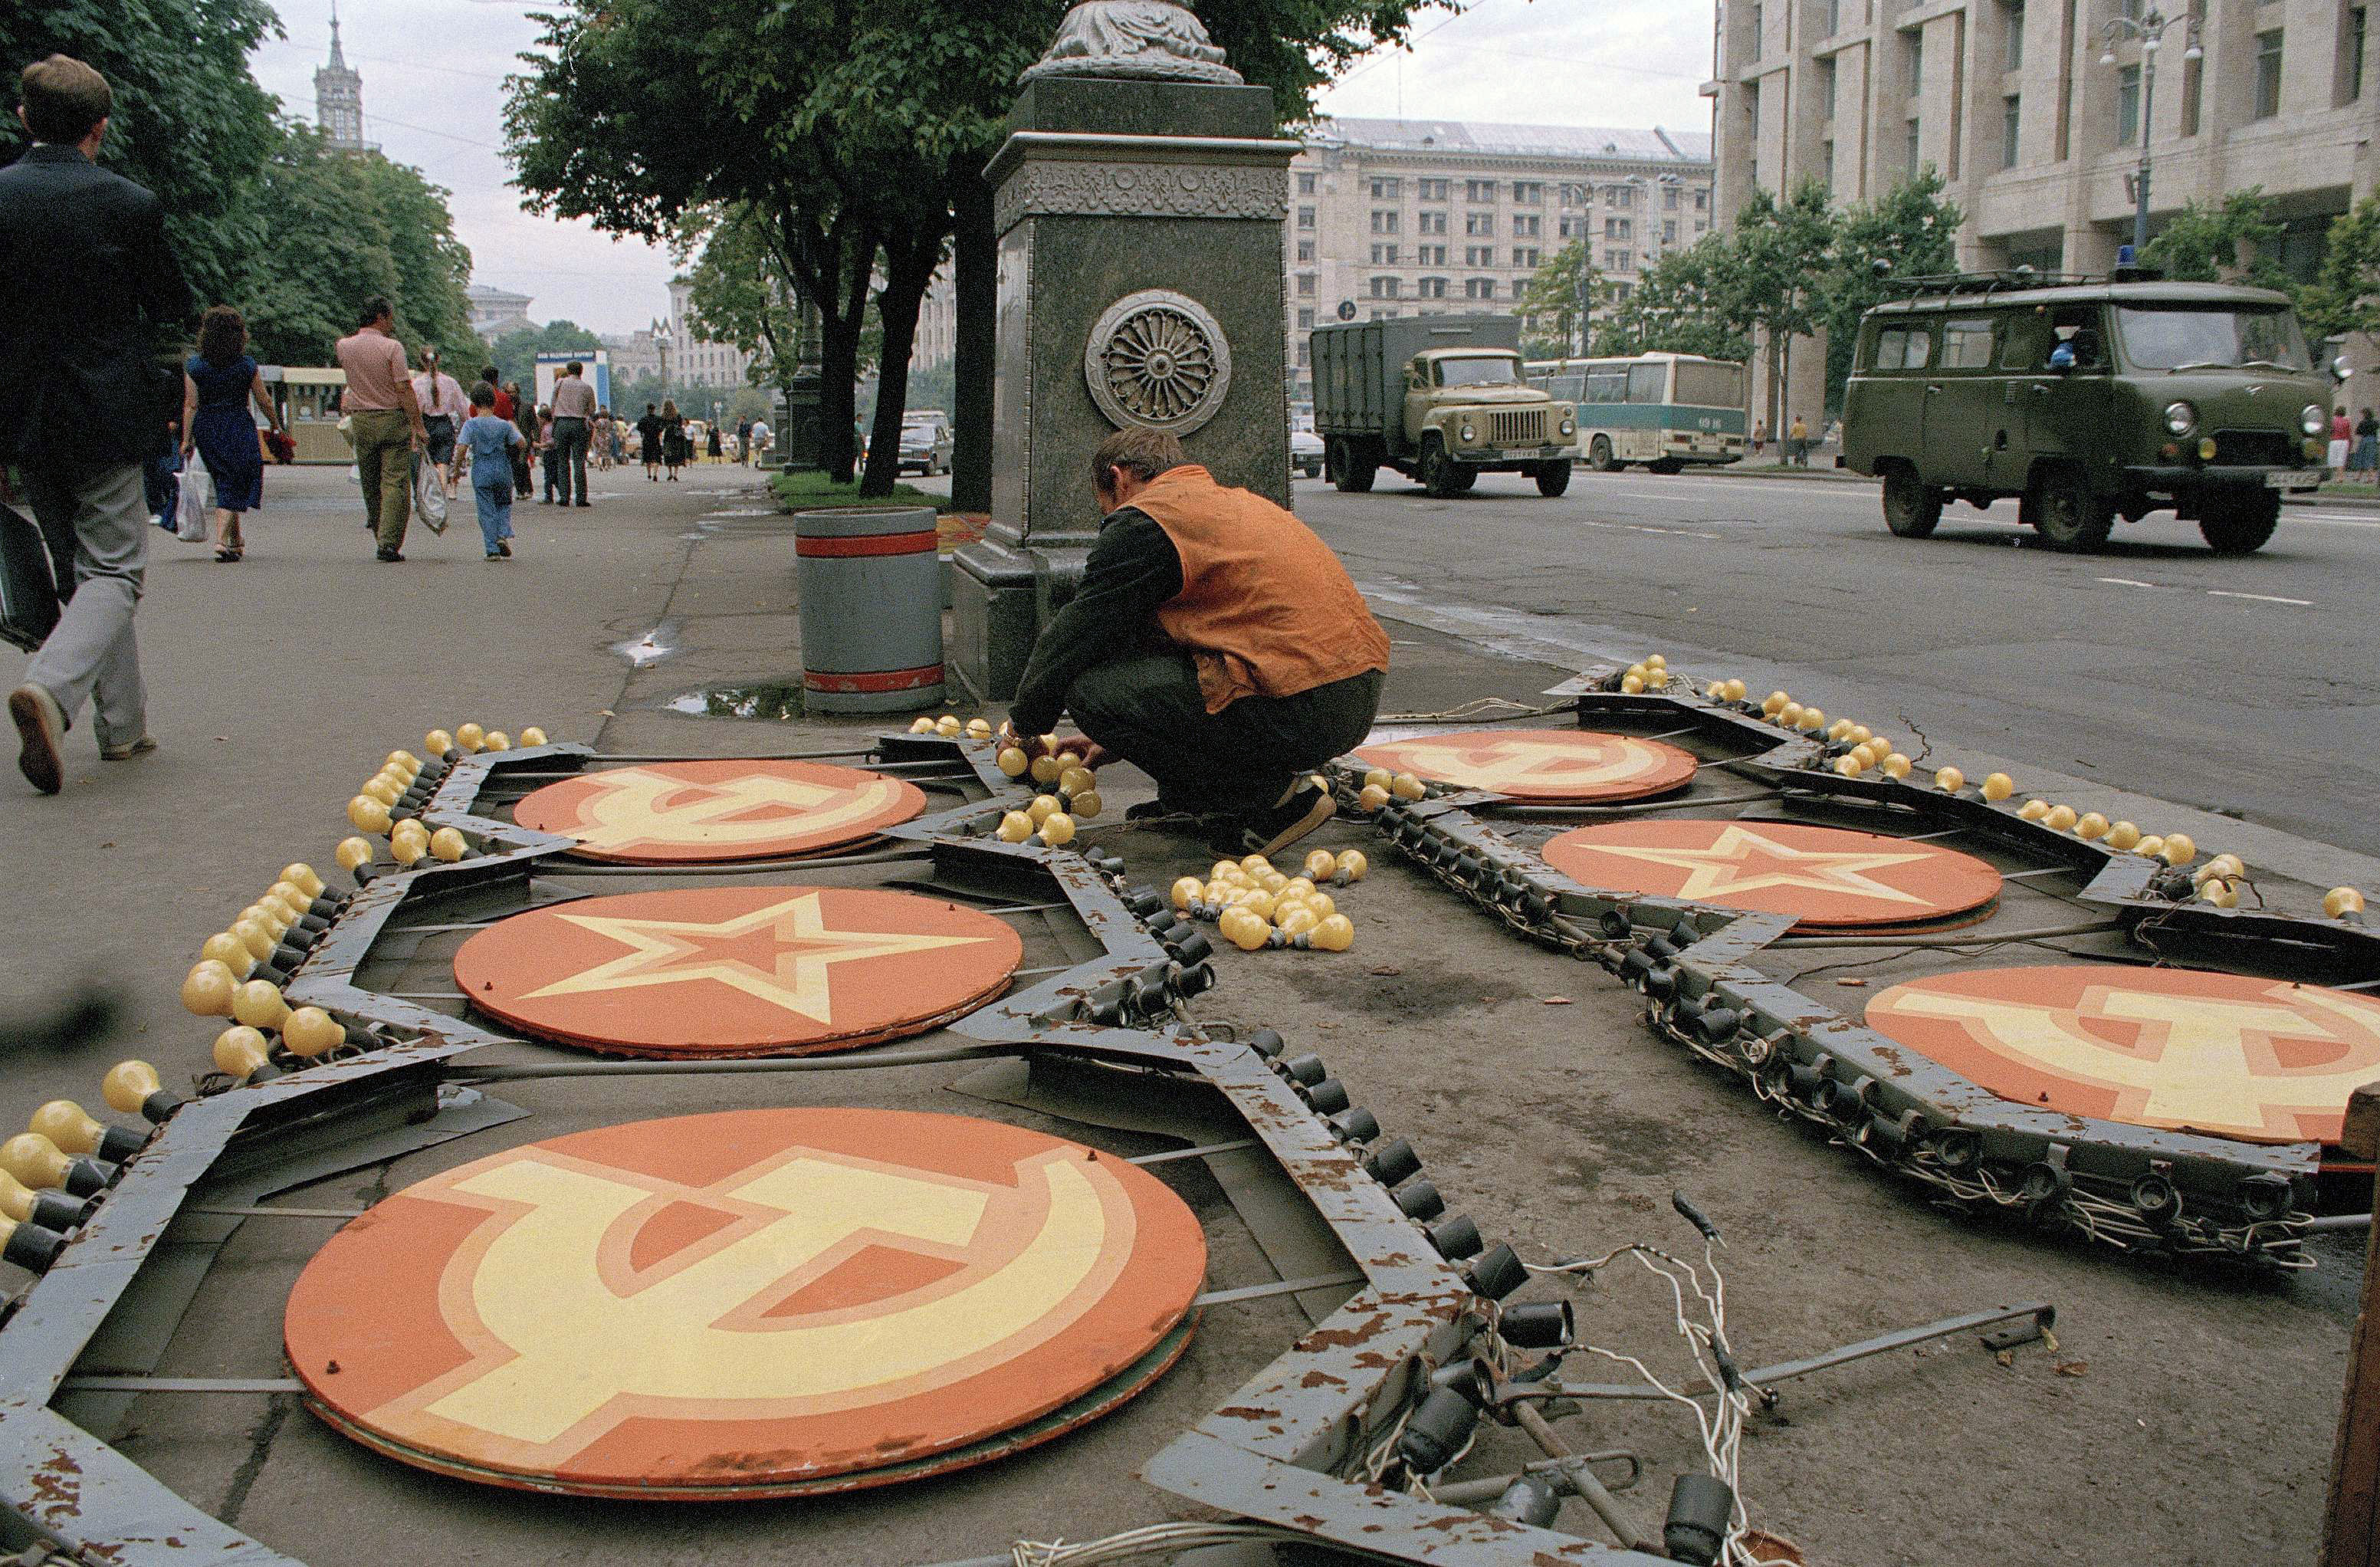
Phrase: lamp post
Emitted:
{"points": [[662, 342], [2149, 28]]}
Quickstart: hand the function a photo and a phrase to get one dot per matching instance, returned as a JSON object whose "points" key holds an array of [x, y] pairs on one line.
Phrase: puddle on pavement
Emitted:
{"points": [[770, 701], [651, 647]]}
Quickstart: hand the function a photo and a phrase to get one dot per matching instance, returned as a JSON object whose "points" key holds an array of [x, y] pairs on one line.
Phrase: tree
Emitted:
{"points": [[739, 295], [1776, 263], [1912, 231], [1561, 293], [1679, 306], [189, 122], [2231, 240], [2345, 295]]}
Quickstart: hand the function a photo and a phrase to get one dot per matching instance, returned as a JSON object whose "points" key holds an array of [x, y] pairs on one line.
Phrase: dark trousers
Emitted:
{"points": [[1147, 708], [570, 455]]}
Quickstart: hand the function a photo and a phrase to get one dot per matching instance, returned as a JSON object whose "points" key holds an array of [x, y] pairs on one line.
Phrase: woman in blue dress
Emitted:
{"points": [[218, 384]]}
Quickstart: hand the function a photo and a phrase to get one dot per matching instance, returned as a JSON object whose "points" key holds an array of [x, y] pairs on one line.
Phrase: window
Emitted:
{"points": [[1434, 189], [1833, 12], [1388, 189], [1618, 261], [1478, 223], [1479, 289], [1826, 88], [2128, 105], [1305, 317], [2357, 25], [1619, 228], [1916, 60], [1305, 185], [1430, 255], [1304, 353], [1527, 257], [1759, 29], [2008, 120], [1528, 193], [1385, 287], [1576, 195], [1967, 345], [1306, 286], [1306, 217], [1479, 191], [1648, 383], [1669, 198], [1306, 249], [1911, 151], [1480, 255], [2268, 74], [1527, 225], [1669, 225], [1900, 347], [1620, 292], [1702, 200], [1431, 288], [1383, 222], [1574, 227], [2012, 18], [1825, 176], [1384, 255], [1430, 223]]}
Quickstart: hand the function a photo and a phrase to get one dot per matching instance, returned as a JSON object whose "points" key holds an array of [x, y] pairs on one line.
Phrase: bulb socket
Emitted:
{"points": [[89, 1177], [1393, 1162], [1357, 1125], [1267, 1042], [1701, 1509], [1328, 1096], [56, 1210], [31, 1247], [1498, 1272], [1456, 1238], [1435, 1431], [117, 1144], [1530, 1500], [1305, 1069], [1420, 1200], [1537, 1324]]}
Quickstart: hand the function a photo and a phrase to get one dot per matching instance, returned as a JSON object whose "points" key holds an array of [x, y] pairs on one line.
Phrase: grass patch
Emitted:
{"points": [[802, 492]]}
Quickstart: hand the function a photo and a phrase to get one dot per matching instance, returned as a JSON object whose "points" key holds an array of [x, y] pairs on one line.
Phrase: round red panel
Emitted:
{"points": [[732, 971], [1546, 766], [2263, 1061], [681, 812], [1827, 878], [752, 1303]]}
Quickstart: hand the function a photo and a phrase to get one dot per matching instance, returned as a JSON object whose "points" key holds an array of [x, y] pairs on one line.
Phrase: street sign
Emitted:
{"points": [[758, 1302], [2263, 1061], [1546, 766], [680, 812], [1346, 310], [1827, 878], [737, 971]]}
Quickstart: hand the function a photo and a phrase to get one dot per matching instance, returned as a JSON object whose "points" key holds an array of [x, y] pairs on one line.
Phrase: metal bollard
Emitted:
{"points": [[871, 609]]}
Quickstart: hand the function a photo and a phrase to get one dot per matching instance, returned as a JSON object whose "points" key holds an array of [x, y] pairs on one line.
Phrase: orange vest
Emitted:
{"points": [[1265, 609]]}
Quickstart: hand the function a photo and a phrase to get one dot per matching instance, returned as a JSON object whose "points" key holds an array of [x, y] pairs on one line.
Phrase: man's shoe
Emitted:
{"points": [[505, 547], [39, 726], [388, 555], [130, 750], [583, 503], [1269, 831]]}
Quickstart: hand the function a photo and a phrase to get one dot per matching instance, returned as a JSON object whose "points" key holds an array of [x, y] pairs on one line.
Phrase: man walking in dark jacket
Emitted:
{"points": [[89, 287]]}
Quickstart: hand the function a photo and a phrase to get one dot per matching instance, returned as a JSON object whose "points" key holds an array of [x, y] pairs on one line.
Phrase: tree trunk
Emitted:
{"points": [[908, 272], [831, 264], [975, 259]]}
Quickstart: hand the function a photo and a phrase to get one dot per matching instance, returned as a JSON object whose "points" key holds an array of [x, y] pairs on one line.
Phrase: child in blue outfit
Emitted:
{"points": [[489, 440]]}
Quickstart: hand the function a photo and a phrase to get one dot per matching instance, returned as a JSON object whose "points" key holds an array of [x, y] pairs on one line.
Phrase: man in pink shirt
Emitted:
{"points": [[574, 421], [387, 420]]}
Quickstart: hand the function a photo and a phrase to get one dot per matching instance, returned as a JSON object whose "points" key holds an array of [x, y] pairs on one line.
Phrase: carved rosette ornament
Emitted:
{"points": [[1137, 40], [1158, 360]]}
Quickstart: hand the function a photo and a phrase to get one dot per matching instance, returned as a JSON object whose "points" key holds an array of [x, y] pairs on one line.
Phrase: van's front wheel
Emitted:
{"points": [[1911, 509], [2238, 525], [2072, 515]]}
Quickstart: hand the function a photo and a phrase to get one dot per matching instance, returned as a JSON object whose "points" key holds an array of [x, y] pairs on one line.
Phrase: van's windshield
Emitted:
{"points": [[2175, 337], [1485, 371]]}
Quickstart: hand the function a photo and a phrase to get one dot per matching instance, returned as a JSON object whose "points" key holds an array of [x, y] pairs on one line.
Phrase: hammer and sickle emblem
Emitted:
{"points": [[631, 805]]}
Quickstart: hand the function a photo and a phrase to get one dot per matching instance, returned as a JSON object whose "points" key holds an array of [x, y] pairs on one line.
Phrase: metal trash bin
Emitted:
{"points": [[871, 609]]}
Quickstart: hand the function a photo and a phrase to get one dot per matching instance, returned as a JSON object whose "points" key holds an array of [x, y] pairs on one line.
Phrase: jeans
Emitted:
{"points": [[495, 503], [385, 463], [161, 484], [1147, 708], [98, 521], [570, 455], [551, 460]]}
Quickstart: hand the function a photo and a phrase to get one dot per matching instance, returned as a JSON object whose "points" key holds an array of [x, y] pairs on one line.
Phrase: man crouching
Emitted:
{"points": [[1216, 644]]}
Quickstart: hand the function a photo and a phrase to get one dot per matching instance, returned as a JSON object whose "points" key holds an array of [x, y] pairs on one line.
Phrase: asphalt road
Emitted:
{"points": [[2242, 686]]}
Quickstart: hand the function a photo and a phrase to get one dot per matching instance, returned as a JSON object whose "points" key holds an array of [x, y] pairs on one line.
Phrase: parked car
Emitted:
{"points": [[2089, 400], [925, 444], [1306, 451]]}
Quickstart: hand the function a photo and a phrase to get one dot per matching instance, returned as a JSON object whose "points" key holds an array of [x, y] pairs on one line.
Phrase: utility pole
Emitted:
{"points": [[2149, 28]]}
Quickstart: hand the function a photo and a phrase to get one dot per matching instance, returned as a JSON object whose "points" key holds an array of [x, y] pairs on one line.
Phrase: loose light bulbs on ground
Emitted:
{"points": [[259, 1004], [207, 989], [532, 735], [438, 742], [469, 736], [1244, 929], [1258, 903], [2057, 818], [1320, 864], [129, 1085], [309, 1031], [1999, 786], [1335, 934], [1015, 827], [1252, 864], [2181, 848], [1223, 870], [1950, 780], [2340, 902], [449, 844], [1012, 761], [1352, 866], [1187, 889], [351, 853], [240, 1051]]}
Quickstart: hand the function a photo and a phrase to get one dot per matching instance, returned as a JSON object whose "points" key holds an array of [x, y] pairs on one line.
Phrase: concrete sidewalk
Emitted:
{"points": [[2185, 1417]]}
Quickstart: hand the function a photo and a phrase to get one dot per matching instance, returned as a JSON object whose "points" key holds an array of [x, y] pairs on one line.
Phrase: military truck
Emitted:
{"points": [[1438, 398], [2089, 400]]}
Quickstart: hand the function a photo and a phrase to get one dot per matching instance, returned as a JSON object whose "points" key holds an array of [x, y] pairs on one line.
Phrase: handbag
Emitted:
{"points": [[428, 495], [29, 594], [195, 501]]}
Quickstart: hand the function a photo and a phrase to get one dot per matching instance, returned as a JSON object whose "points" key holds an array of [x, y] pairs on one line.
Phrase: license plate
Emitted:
{"points": [[2284, 480]]}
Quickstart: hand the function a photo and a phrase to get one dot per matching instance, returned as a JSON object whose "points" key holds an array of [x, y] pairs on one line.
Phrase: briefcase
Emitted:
{"points": [[29, 595]]}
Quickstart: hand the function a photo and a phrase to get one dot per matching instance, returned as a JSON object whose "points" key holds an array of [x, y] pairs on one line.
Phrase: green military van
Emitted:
{"points": [[2090, 400]]}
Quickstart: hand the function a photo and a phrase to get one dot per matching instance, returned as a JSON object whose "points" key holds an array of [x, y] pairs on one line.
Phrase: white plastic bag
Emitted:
{"points": [[196, 501], [428, 495]]}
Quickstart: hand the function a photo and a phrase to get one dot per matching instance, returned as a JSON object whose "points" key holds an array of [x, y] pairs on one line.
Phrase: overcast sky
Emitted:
{"points": [[433, 97]]}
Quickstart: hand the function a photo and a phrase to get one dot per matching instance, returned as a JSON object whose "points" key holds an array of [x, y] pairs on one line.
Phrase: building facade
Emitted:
{"points": [[339, 98], [696, 361], [2033, 113], [1425, 217], [495, 312]]}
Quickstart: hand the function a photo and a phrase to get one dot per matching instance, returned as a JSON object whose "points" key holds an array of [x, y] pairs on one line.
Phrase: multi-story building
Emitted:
{"points": [[635, 356], [495, 312], [696, 361], [1407, 218], [2034, 115], [339, 98], [938, 324]]}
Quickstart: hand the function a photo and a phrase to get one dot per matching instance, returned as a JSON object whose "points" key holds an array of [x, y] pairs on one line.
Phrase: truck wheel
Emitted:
{"points": [[1553, 477], [2238, 525], [1441, 475], [2069, 514], [1350, 471], [1599, 454], [1911, 509]]}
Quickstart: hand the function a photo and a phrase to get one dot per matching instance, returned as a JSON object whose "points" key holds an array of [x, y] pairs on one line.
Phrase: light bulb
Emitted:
{"points": [[259, 1004], [132, 1088], [387, 791], [979, 729], [1371, 798], [449, 844], [1999, 786], [2181, 848], [1841, 729], [1335, 934], [2034, 810], [2057, 818], [532, 735], [291, 896], [1013, 760], [1894, 765], [438, 742], [35, 1162], [1734, 691], [497, 740], [1773, 703], [1297, 918], [275, 924], [2122, 835], [301, 876], [241, 1052], [2220, 892], [1042, 808], [1850, 766], [369, 815], [1378, 778], [353, 852], [1077, 780], [921, 726], [1860, 735], [1259, 903], [2090, 826], [1245, 928], [1950, 780], [1015, 827], [1352, 866], [1086, 804], [252, 935], [1322, 904], [226, 948], [207, 990], [2149, 847], [405, 760], [1405, 786], [1252, 864], [948, 725], [409, 850], [18, 1200], [1056, 828], [2340, 902], [1187, 889], [1320, 864], [469, 736], [310, 1032], [2229, 866], [1631, 684], [68, 1125]]}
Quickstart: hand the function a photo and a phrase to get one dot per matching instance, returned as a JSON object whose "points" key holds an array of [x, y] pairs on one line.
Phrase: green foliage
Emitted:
{"points": [[189, 122], [1680, 305], [1559, 295], [515, 354], [2345, 296], [800, 491], [2204, 242], [1913, 231], [740, 294]]}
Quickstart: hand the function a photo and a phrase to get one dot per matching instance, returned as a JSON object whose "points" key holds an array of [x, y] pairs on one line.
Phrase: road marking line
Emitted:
{"points": [[2336, 519], [2127, 582], [2260, 598]]}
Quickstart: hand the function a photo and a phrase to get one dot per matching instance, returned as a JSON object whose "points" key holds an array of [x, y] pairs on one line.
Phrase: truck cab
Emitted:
{"points": [[2089, 400], [1438, 398]]}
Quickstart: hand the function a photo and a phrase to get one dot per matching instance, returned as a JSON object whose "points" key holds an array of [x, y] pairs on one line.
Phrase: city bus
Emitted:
{"points": [[1664, 410]]}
